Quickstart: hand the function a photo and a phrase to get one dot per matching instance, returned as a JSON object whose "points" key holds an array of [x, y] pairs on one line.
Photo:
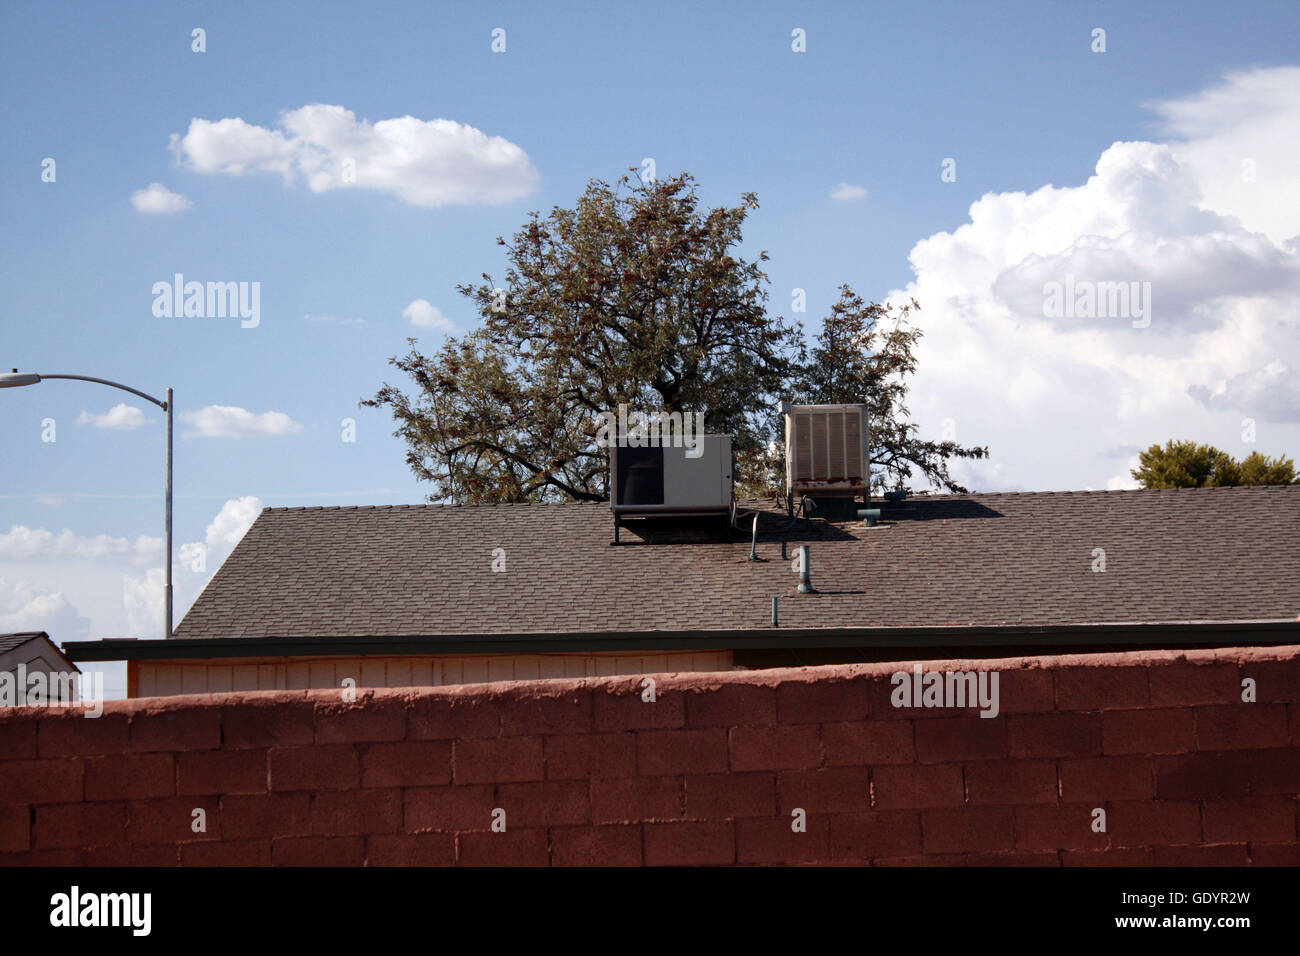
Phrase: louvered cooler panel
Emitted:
{"points": [[826, 448]]}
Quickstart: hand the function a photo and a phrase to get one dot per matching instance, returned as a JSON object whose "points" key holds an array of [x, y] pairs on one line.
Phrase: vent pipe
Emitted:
{"points": [[805, 571]]}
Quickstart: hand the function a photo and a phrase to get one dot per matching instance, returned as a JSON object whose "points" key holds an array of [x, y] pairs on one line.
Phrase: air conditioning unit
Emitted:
{"points": [[826, 450], [669, 480]]}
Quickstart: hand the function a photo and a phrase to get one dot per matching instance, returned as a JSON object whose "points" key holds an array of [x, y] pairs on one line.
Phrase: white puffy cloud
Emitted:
{"points": [[427, 316], [230, 421], [23, 543], [845, 192], [158, 199], [24, 606], [422, 162], [235, 517], [118, 417], [1054, 394]]}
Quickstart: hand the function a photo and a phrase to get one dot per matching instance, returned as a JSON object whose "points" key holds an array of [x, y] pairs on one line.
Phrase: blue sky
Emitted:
{"points": [[883, 94]]}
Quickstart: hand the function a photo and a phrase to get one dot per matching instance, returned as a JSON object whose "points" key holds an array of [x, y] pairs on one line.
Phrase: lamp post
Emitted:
{"points": [[15, 379]]}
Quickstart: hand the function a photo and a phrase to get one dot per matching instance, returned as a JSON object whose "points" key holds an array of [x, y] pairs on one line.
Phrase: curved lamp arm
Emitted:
{"points": [[104, 381]]}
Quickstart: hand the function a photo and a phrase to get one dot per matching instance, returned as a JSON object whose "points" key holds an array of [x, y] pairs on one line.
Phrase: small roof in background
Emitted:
{"points": [[10, 642]]}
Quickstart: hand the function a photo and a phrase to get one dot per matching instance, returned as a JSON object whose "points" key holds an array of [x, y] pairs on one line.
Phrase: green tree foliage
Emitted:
{"points": [[1185, 464], [864, 353], [638, 295]]}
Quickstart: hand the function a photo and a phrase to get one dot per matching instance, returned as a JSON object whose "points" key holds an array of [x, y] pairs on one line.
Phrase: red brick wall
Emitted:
{"points": [[709, 773]]}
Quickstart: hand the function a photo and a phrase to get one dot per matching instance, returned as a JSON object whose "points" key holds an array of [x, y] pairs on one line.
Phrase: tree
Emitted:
{"points": [[864, 354], [638, 295], [635, 296], [1185, 464]]}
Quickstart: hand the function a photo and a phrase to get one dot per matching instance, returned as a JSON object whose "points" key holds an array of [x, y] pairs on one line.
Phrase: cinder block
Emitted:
{"points": [[1055, 735], [730, 795], [81, 825], [779, 747], [917, 786], [443, 716], [58, 780], [731, 705], [512, 848], [1058, 826], [192, 728], [626, 710], [1162, 731], [868, 743], [366, 720], [270, 815], [408, 763], [1011, 782], [821, 701], [497, 760], [665, 752], [411, 849], [1101, 688], [257, 724], [1241, 727], [354, 812], [1249, 820], [772, 840], [221, 771], [1107, 778], [637, 799], [590, 755], [448, 808], [569, 713], [130, 775], [690, 844], [1188, 683], [18, 736], [1148, 823], [960, 739], [173, 820], [68, 734], [15, 828], [544, 803], [1203, 776], [319, 851], [967, 830], [878, 834], [321, 767], [614, 845], [834, 790]]}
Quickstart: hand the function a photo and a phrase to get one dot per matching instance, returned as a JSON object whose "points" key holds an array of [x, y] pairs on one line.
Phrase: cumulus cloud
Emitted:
{"points": [[427, 316], [422, 162], [158, 199], [1052, 394], [846, 192], [229, 421], [1271, 393], [24, 543], [26, 607], [118, 417]]}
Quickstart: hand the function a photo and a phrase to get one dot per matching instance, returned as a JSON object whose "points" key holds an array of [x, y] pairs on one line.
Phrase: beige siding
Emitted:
{"points": [[165, 678]]}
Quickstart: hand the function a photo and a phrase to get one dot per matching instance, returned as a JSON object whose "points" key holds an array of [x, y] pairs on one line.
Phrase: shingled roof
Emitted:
{"points": [[1207, 555]]}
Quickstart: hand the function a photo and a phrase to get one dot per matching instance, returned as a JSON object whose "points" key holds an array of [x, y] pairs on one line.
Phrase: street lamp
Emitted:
{"points": [[15, 379]]}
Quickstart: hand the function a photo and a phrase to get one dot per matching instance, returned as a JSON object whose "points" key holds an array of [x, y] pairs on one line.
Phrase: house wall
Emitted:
{"points": [[38, 656], [712, 770], [167, 678]]}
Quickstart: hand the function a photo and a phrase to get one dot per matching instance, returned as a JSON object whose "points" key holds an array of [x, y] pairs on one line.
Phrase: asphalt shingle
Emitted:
{"points": [[1220, 554]]}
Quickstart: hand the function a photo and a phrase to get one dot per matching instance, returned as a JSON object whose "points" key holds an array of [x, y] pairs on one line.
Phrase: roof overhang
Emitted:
{"points": [[1032, 638]]}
